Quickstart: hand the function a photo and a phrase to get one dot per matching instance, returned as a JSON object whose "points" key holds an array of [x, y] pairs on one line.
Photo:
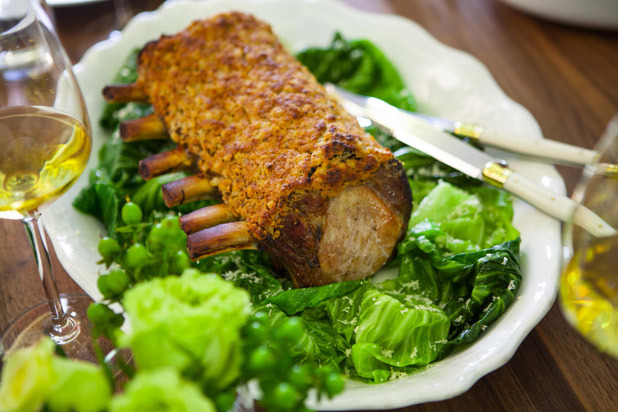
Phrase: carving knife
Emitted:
{"points": [[545, 150], [469, 160]]}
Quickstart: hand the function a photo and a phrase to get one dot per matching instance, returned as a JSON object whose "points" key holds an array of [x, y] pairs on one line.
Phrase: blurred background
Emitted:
{"points": [[96, 19]]}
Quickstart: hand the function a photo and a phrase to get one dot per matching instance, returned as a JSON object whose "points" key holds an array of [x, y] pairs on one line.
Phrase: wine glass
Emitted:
{"points": [[44, 146], [589, 283]]}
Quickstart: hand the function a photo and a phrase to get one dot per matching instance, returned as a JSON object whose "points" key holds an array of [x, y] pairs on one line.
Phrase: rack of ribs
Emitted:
{"points": [[298, 177]]}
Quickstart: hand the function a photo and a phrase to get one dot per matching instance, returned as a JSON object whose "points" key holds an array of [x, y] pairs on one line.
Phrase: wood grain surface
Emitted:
{"points": [[566, 76]]}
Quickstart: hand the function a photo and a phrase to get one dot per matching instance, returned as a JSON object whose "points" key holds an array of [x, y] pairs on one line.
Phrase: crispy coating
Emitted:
{"points": [[264, 131]]}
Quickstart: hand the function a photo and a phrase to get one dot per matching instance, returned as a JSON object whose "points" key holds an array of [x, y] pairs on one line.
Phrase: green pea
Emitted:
{"points": [[131, 213], [102, 284], [256, 330], [285, 397], [261, 359], [108, 247], [98, 313], [291, 330], [225, 401], [170, 223], [261, 317], [333, 383], [117, 319], [167, 235], [136, 256], [118, 281], [171, 228], [179, 262], [299, 376], [156, 238]]}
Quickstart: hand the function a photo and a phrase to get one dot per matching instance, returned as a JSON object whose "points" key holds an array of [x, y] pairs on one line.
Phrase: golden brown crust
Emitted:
{"points": [[264, 130]]}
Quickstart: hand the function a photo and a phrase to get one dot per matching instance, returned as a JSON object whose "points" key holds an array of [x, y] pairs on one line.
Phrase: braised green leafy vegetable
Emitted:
{"points": [[450, 286], [360, 67], [457, 270]]}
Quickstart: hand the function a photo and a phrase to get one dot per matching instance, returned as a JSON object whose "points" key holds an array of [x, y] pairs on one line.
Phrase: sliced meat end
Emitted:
{"points": [[360, 234]]}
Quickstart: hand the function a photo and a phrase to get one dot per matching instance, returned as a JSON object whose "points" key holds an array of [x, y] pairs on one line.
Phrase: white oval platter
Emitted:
{"points": [[445, 81]]}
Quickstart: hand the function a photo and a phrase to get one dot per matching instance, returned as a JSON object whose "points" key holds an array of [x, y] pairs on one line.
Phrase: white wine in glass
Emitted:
{"points": [[589, 283], [43, 152], [44, 147]]}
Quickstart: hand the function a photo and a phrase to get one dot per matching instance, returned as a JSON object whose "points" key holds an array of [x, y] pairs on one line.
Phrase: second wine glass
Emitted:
{"points": [[589, 283]]}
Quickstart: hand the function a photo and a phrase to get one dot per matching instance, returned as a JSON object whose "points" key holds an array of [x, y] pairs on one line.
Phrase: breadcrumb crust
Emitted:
{"points": [[262, 128]]}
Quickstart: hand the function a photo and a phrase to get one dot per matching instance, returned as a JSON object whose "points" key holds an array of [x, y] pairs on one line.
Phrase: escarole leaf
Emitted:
{"points": [[295, 300], [497, 277], [397, 334], [373, 333], [319, 343], [101, 200], [249, 270], [149, 196], [497, 211], [343, 312], [463, 221], [109, 203], [360, 67]]}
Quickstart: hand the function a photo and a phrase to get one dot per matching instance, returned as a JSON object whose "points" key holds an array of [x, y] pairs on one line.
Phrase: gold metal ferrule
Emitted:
{"points": [[608, 169], [471, 130], [496, 173]]}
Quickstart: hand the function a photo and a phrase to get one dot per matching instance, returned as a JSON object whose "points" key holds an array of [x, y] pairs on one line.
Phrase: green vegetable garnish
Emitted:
{"points": [[162, 390], [34, 377], [191, 323], [457, 271], [131, 213], [26, 377], [360, 67]]}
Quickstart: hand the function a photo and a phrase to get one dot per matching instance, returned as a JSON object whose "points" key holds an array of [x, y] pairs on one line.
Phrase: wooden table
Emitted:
{"points": [[567, 77]]}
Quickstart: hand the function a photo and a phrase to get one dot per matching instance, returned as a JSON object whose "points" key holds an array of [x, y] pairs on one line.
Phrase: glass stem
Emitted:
{"points": [[63, 329]]}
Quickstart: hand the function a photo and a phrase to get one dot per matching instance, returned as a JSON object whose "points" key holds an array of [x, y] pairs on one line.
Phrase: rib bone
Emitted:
{"points": [[219, 239], [145, 128], [124, 93], [187, 189], [165, 162], [206, 217]]}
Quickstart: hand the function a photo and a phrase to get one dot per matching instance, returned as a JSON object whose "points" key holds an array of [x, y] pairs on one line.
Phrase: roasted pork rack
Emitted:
{"points": [[298, 176]]}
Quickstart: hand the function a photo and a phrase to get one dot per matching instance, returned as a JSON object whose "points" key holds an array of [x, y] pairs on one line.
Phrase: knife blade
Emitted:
{"points": [[541, 149], [470, 160]]}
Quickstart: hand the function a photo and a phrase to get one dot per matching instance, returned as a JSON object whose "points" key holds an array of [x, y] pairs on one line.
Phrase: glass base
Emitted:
{"points": [[74, 337]]}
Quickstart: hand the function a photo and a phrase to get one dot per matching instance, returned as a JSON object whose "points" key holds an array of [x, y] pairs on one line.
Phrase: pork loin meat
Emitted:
{"points": [[312, 188]]}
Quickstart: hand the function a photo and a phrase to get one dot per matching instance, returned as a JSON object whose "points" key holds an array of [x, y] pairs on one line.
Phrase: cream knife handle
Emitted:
{"points": [[543, 149], [558, 206]]}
